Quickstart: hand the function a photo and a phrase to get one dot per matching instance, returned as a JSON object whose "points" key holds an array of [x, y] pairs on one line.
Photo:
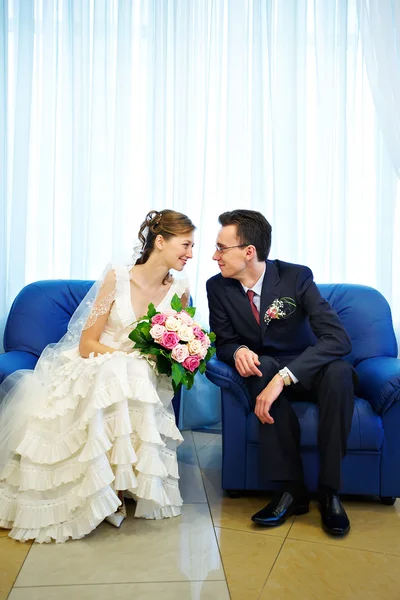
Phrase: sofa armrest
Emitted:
{"points": [[227, 378], [379, 382], [14, 361]]}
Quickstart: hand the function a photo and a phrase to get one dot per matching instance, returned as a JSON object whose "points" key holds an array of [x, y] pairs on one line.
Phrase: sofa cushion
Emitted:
{"points": [[366, 428], [41, 312], [15, 360], [366, 316]]}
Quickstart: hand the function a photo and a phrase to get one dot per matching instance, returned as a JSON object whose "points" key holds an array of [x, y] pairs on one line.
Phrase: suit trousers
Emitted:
{"points": [[333, 391]]}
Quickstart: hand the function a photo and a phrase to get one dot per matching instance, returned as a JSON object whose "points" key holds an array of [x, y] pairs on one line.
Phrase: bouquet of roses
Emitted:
{"points": [[178, 344]]}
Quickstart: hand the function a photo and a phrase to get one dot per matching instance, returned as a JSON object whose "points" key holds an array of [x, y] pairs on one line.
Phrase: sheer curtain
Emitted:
{"points": [[380, 34], [109, 108]]}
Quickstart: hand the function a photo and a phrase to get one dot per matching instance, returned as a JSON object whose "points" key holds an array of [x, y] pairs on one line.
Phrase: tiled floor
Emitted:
{"points": [[212, 551]]}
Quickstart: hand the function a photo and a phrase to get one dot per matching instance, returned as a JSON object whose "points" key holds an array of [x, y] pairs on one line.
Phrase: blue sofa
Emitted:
{"points": [[372, 463], [39, 316]]}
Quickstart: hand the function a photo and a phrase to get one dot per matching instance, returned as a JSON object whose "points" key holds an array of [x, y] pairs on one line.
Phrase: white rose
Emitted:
{"points": [[195, 347], [157, 331], [185, 317], [186, 333], [172, 324], [170, 312], [180, 353], [203, 352]]}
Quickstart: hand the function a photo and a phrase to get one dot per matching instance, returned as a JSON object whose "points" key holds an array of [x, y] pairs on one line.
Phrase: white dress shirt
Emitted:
{"points": [[257, 289]]}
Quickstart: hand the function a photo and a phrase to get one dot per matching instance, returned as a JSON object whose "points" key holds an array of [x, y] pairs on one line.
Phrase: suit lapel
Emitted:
{"points": [[270, 291], [242, 304]]}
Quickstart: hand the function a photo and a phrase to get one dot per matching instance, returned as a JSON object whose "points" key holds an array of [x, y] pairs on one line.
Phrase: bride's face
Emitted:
{"points": [[177, 250]]}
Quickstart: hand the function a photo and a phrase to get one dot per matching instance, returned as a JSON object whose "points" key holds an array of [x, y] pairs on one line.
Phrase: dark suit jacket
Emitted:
{"points": [[311, 337]]}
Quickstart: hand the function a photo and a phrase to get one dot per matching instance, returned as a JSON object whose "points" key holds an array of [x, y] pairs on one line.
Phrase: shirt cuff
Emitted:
{"points": [[237, 349], [292, 377]]}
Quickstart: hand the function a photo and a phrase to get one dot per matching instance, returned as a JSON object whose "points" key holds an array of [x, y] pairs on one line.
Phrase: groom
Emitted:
{"points": [[274, 327]]}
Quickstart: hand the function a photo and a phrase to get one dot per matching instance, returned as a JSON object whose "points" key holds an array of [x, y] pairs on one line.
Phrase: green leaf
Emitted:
{"points": [[132, 335], [143, 347], [144, 329], [137, 337], [190, 379], [163, 365], [190, 310], [184, 378], [176, 373], [154, 350], [176, 303], [151, 310], [202, 366], [212, 336], [211, 351]]}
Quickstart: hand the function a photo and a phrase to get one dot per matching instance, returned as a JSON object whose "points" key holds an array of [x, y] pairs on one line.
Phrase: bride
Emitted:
{"points": [[93, 420]]}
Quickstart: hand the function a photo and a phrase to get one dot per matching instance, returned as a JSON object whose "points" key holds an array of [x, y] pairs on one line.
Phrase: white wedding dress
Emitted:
{"points": [[85, 428]]}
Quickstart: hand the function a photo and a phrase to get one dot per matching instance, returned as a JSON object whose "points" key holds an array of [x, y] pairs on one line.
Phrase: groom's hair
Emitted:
{"points": [[252, 229]]}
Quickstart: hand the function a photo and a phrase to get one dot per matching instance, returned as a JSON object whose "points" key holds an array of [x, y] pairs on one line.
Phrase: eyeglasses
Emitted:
{"points": [[222, 249]]}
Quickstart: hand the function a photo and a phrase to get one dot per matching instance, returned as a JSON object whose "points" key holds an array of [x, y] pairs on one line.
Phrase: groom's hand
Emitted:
{"points": [[246, 363], [267, 397]]}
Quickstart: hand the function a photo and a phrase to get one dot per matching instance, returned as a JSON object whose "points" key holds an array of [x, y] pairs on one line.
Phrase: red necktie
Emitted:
{"points": [[250, 295]]}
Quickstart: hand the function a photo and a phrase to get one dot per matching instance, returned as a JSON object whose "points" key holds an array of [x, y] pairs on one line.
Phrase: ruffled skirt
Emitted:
{"points": [[86, 429]]}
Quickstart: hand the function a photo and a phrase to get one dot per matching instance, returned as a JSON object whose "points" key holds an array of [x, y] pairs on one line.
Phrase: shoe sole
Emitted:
{"points": [[335, 532], [300, 510]]}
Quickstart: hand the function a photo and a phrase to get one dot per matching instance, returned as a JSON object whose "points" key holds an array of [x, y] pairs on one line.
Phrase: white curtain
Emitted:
{"points": [[379, 22], [380, 33], [109, 108]]}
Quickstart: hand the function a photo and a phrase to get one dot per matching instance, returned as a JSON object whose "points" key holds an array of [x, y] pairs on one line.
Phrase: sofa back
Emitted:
{"points": [[366, 317], [41, 312]]}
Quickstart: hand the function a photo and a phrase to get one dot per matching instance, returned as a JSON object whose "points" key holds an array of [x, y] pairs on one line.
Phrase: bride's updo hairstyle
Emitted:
{"points": [[167, 223]]}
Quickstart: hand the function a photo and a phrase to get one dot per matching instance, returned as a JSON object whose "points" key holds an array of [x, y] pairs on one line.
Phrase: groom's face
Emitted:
{"points": [[231, 260]]}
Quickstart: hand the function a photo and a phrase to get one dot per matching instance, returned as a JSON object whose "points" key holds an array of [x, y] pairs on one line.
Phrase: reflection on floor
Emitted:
{"points": [[213, 551]]}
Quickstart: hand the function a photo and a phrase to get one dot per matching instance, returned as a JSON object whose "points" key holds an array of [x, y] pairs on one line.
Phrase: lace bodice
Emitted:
{"points": [[122, 317]]}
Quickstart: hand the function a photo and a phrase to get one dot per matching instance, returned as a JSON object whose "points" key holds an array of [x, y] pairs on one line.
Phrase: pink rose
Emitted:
{"points": [[157, 331], [170, 312], [272, 312], [199, 333], [180, 353], [185, 317], [169, 340], [203, 352], [191, 363], [159, 319], [206, 342]]}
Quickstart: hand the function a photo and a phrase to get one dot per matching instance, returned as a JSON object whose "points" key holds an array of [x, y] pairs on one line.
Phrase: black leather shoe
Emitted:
{"points": [[334, 518], [281, 507]]}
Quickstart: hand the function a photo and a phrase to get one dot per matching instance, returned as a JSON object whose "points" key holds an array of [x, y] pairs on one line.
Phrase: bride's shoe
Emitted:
{"points": [[116, 519], [120, 515]]}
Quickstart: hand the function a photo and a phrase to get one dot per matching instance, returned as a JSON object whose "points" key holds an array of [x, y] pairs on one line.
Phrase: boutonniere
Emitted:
{"points": [[281, 308]]}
